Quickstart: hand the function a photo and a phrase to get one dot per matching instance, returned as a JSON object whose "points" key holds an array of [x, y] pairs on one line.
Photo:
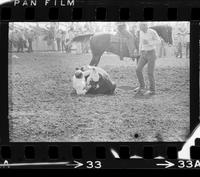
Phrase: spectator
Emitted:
{"points": [[14, 39], [58, 40], [30, 40], [187, 42], [179, 40], [25, 38], [11, 40], [179, 46], [20, 41], [52, 37], [70, 36], [162, 49], [63, 40]]}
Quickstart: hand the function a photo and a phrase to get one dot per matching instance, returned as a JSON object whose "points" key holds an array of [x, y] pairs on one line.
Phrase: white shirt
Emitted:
{"points": [[152, 39], [79, 84]]}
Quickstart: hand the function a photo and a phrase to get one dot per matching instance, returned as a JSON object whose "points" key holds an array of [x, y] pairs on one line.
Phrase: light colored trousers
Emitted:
{"points": [[147, 57]]}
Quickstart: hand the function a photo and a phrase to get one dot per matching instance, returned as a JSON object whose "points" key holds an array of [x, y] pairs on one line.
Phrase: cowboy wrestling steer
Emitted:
{"points": [[92, 80]]}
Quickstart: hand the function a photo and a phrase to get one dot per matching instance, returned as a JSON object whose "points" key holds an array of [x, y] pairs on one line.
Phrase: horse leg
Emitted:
{"points": [[137, 59], [121, 49], [95, 60]]}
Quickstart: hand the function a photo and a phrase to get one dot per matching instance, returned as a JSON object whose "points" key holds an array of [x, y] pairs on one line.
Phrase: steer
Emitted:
{"points": [[92, 80]]}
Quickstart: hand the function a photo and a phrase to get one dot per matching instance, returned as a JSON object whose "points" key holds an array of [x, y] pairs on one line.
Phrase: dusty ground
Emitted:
{"points": [[42, 107]]}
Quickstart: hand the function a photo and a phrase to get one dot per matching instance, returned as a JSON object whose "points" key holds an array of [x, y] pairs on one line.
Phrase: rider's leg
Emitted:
{"points": [[121, 48], [130, 46]]}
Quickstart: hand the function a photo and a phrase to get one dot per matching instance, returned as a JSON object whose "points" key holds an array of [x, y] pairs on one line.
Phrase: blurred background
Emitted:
{"points": [[55, 36]]}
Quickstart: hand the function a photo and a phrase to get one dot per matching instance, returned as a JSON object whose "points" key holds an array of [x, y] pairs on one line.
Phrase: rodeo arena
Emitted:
{"points": [[99, 81]]}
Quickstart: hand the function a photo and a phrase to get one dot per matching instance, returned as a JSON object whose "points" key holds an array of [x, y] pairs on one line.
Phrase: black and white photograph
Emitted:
{"points": [[99, 81]]}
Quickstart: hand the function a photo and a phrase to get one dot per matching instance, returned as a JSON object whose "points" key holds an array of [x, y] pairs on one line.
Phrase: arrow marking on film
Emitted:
{"points": [[167, 164], [76, 164]]}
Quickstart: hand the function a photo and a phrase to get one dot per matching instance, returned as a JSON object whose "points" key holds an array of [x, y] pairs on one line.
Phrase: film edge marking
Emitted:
{"points": [[75, 164], [167, 164], [33, 3]]}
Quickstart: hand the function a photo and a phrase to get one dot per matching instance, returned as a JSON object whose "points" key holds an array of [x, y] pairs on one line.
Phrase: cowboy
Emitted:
{"points": [[148, 41], [122, 31]]}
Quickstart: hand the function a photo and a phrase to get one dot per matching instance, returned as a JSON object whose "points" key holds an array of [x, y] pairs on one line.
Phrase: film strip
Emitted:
{"points": [[89, 152]]}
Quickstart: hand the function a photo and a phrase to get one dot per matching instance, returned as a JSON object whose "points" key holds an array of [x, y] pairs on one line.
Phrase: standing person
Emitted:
{"points": [[63, 40], [16, 39], [162, 49], [20, 45], [30, 40], [29, 35], [70, 35], [180, 41], [52, 36], [24, 38], [67, 40], [58, 40], [148, 41], [187, 42], [11, 40], [179, 53]]}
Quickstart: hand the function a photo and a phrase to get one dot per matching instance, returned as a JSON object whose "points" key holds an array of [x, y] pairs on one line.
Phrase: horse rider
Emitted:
{"points": [[124, 33]]}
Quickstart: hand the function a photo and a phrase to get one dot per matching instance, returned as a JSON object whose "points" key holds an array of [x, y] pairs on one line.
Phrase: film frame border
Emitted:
{"points": [[124, 148], [114, 10]]}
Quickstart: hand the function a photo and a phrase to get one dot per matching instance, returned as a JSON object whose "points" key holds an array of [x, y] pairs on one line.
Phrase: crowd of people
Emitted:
{"points": [[21, 40]]}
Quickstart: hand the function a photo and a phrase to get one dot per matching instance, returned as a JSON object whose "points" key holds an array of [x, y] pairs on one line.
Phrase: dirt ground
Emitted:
{"points": [[42, 107]]}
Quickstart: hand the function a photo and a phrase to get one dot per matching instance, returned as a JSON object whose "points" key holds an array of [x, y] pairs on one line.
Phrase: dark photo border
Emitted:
{"points": [[137, 12]]}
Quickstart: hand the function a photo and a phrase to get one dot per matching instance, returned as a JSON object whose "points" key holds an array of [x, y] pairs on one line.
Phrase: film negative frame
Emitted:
{"points": [[94, 155]]}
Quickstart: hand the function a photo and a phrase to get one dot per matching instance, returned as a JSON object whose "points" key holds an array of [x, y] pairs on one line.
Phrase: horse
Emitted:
{"points": [[106, 42], [102, 42]]}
